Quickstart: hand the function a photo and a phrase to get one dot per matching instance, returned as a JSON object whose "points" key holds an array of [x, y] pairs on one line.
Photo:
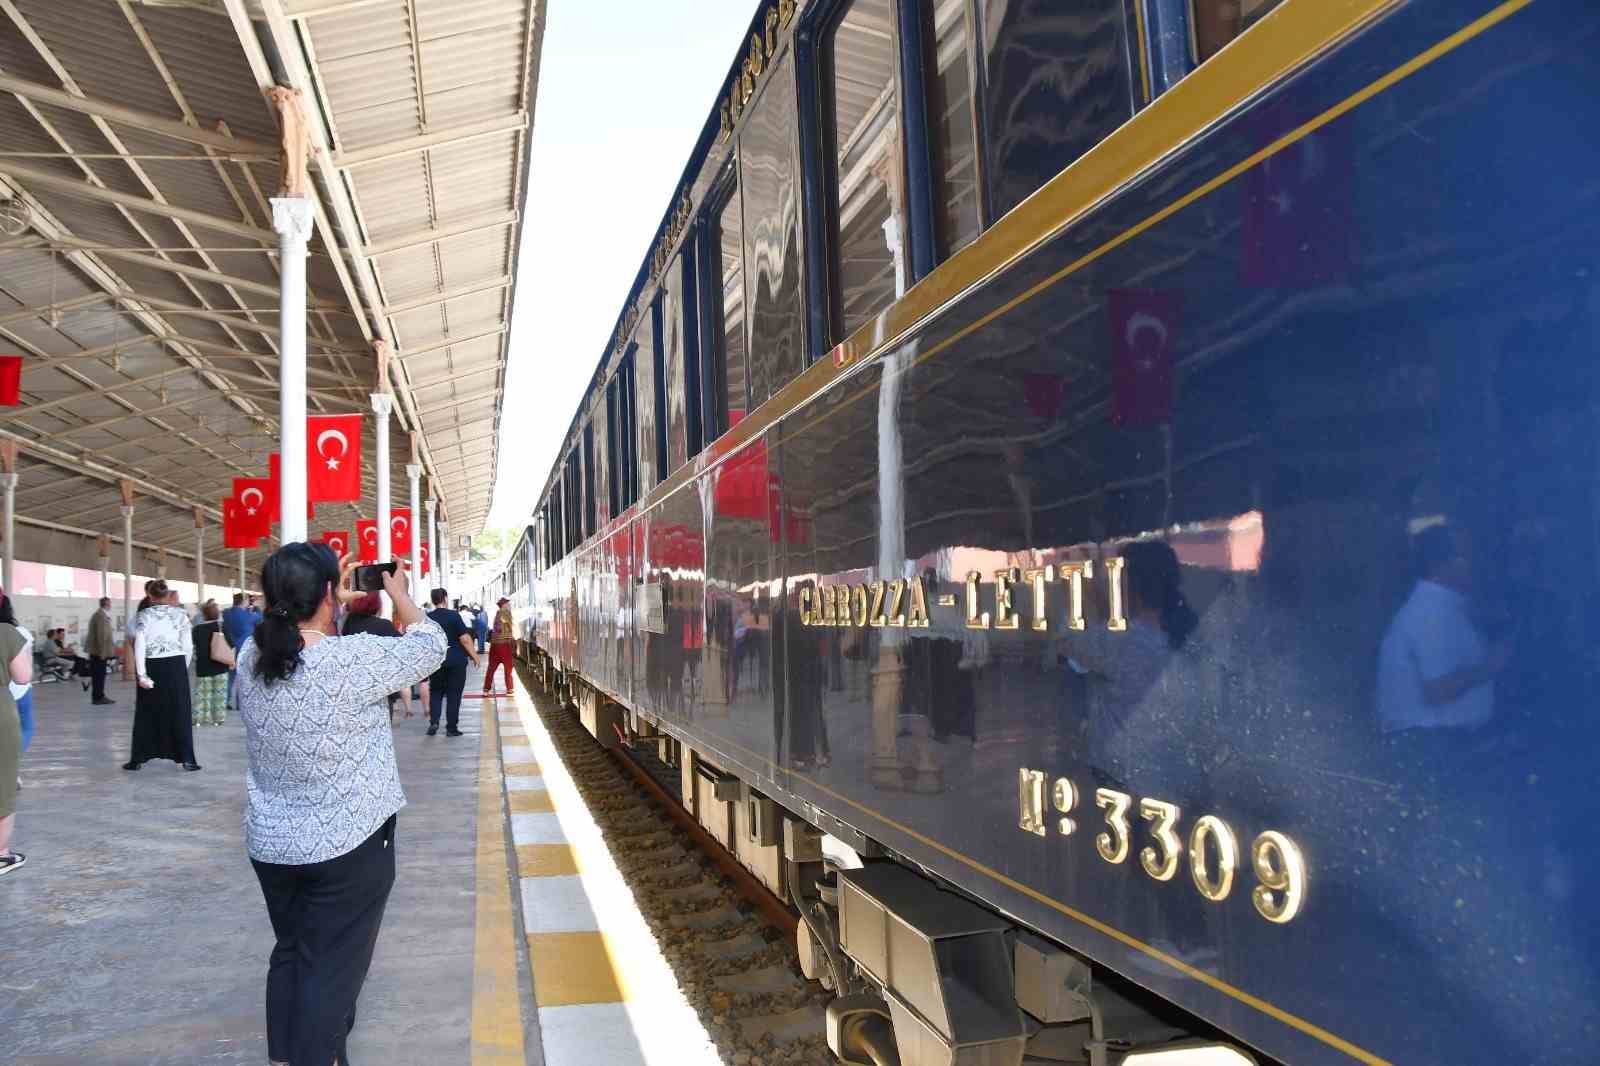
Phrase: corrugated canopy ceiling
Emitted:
{"points": [[138, 267]]}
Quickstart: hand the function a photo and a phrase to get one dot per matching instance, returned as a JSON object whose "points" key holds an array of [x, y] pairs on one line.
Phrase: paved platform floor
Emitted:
{"points": [[136, 934]]}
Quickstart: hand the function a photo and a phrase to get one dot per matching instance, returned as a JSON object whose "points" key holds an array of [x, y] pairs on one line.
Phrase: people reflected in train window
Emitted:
{"points": [[1436, 669], [1122, 669]]}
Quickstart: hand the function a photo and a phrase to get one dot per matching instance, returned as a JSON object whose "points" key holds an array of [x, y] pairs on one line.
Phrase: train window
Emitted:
{"points": [[953, 121], [627, 430], [613, 448], [1216, 22], [659, 335], [673, 415], [646, 452], [1056, 83], [589, 516], [600, 426], [690, 326], [768, 176], [867, 218], [724, 358]]}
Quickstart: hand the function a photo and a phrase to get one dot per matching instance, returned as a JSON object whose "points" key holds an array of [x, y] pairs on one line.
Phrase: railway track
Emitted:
{"points": [[731, 950]]}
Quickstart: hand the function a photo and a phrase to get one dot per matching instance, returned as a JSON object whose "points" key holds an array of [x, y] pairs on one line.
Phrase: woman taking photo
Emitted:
{"points": [[323, 790], [162, 648]]}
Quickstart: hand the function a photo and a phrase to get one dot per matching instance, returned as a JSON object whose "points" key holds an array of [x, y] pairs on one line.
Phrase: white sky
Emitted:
{"points": [[624, 89]]}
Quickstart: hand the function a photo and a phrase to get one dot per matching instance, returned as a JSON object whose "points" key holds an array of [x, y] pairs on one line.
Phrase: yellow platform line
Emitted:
{"points": [[496, 999]]}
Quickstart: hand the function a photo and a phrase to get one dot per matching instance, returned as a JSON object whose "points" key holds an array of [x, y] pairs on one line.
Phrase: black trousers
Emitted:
{"points": [[326, 917], [97, 676], [444, 690]]}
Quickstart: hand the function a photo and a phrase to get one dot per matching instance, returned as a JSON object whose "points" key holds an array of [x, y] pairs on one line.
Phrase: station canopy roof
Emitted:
{"points": [[138, 265]]}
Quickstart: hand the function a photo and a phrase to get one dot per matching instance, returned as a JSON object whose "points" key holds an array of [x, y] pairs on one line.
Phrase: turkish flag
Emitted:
{"points": [[338, 540], [10, 380], [1144, 328], [275, 475], [1044, 393], [333, 458], [400, 531], [235, 534], [425, 561], [254, 495], [367, 537], [1298, 228]]}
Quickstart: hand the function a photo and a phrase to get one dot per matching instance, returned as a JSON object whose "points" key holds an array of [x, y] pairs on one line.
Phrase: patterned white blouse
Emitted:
{"points": [[162, 631], [322, 776]]}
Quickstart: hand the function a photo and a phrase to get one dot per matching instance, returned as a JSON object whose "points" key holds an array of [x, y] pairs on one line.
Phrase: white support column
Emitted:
{"points": [[414, 476], [433, 546], [241, 570], [444, 555], [383, 406], [199, 556], [105, 575], [8, 528], [292, 218], [127, 562]]}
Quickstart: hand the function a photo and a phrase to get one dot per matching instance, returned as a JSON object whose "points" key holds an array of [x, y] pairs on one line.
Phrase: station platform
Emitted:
{"points": [[136, 931]]}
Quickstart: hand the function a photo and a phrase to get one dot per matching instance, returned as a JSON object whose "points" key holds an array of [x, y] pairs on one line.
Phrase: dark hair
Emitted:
{"points": [[155, 591], [211, 612], [368, 603], [142, 604], [238, 599], [1433, 547], [439, 597], [1154, 580], [8, 613], [295, 579], [105, 601]]}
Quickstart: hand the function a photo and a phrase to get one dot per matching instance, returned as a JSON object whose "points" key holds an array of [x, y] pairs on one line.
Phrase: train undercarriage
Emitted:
{"points": [[922, 974]]}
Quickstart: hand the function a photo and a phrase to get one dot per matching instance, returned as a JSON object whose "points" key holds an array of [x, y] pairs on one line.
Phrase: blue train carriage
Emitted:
{"points": [[1110, 486]]}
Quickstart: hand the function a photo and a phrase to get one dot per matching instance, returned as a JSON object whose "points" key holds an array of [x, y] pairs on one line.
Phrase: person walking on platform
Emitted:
{"points": [[480, 626], [213, 656], [448, 681], [16, 666], [102, 648], [238, 623], [162, 647], [323, 793], [502, 645]]}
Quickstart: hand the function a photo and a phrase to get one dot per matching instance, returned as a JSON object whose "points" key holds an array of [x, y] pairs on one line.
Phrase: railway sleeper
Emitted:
{"points": [[922, 974]]}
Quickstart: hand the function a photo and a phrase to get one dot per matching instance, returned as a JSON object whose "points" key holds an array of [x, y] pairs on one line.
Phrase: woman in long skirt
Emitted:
{"points": [[162, 647]]}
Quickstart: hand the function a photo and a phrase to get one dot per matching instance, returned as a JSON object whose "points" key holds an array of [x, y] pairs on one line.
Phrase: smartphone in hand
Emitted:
{"points": [[369, 578]]}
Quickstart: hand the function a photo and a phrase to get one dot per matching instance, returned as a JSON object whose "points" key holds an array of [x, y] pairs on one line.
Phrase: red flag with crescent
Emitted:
{"points": [[333, 458], [367, 539], [1144, 330], [10, 380], [426, 563], [400, 531], [254, 495], [234, 532], [338, 540], [275, 475]]}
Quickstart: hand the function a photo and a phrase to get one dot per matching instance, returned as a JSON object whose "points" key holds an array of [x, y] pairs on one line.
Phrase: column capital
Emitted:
{"points": [[8, 481], [414, 472], [432, 505], [292, 217], [127, 510], [382, 404]]}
